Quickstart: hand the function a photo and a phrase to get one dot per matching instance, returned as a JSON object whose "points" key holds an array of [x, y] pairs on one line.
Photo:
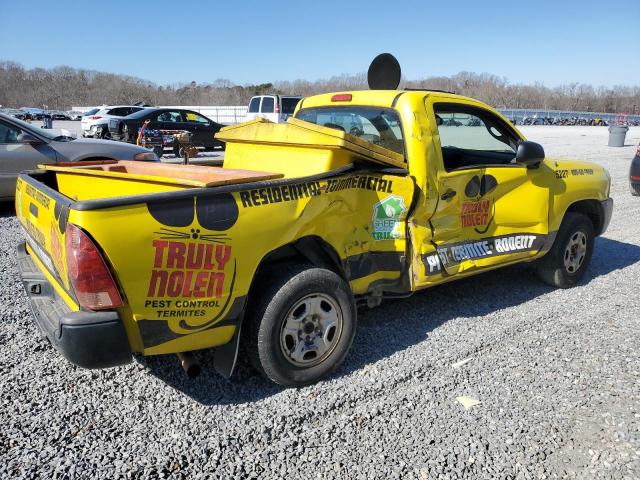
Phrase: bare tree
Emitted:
{"points": [[62, 87]]}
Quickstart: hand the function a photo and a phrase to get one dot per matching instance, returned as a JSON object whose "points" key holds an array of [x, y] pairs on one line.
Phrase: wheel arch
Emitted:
{"points": [[310, 249], [592, 209]]}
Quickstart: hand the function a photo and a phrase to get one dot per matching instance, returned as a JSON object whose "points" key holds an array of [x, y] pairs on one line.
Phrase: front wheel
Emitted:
{"points": [[301, 326], [569, 257], [158, 150]]}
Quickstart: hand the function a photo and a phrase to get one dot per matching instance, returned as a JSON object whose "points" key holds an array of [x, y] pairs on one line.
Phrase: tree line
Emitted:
{"points": [[60, 88]]}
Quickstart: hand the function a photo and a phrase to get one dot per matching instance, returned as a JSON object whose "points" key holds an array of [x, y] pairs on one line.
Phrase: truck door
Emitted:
{"points": [[267, 109], [200, 127], [491, 211]]}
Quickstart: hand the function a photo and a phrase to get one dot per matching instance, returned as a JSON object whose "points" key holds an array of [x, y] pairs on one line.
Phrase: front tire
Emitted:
{"points": [[302, 325], [569, 257], [158, 150]]}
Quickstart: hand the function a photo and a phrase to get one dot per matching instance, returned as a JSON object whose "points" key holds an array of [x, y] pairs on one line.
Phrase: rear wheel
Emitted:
{"points": [[569, 257], [302, 325]]}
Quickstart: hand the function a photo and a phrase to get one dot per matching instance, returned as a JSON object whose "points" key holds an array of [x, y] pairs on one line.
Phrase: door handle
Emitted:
{"points": [[449, 194]]}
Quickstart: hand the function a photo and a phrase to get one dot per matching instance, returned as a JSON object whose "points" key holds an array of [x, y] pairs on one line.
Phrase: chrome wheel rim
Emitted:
{"points": [[575, 252], [311, 330]]}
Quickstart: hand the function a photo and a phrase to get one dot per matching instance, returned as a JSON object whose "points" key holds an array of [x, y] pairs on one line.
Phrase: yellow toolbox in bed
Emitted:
{"points": [[298, 148]]}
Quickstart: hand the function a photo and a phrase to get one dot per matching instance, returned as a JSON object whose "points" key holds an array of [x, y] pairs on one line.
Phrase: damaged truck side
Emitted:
{"points": [[362, 195]]}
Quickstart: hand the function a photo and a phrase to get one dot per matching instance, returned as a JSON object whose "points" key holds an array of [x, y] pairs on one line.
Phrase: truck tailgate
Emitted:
{"points": [[42, 213]]}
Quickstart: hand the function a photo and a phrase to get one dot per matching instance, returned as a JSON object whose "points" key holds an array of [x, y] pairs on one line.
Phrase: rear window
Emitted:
{"points": [[289, 104], [129, 110], [254, 106], [375, 125], [91, 112], [267, 105]]}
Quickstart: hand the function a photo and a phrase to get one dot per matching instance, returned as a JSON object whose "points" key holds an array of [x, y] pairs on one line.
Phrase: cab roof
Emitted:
{"points": [[378, 98]]}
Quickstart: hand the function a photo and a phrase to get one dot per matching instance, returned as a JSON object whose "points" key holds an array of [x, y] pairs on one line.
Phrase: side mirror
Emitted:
{"points": [[530, 154], [25, 137]]}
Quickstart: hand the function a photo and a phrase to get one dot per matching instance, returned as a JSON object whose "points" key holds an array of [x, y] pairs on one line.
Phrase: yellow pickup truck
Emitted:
{"points": [[361, 196]]}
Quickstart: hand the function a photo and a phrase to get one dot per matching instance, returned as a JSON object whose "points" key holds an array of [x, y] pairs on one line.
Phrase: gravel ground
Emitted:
{"points": [[556, 373]]}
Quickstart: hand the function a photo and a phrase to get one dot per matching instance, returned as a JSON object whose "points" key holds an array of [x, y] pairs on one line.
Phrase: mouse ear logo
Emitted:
{"points": [[479, 186], [213, 212], [218, 212]]}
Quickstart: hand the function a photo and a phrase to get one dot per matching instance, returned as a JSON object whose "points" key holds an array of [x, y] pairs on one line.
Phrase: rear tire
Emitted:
{"points": [[301, 326], [569, 257]]}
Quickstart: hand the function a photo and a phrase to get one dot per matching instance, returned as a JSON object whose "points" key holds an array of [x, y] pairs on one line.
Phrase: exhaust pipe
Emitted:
{"points": [[189, 364]]}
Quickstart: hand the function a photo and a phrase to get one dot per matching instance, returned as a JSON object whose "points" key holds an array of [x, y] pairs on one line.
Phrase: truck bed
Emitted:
{"points": [[77, 180]]}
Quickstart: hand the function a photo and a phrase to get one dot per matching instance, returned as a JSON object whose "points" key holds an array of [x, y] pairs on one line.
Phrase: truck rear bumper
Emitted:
{"points": [[87, 339]]}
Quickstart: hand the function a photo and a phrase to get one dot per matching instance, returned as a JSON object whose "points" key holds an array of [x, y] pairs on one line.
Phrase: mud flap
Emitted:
{"points": [[225, 356]]}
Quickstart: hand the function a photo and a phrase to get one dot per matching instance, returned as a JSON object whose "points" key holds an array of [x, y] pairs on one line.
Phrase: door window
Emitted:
{"points": [[193, 117], [171, 117], [8, 133], [472, 137], [267, 105]]}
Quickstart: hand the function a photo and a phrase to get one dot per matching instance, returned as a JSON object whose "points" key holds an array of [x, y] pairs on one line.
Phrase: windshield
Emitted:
{"points": [[375, 125], [28, 127], [90, 112]]}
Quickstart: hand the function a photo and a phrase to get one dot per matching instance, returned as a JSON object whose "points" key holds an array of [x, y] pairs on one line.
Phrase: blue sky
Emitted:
{"points": [[552, 42]]}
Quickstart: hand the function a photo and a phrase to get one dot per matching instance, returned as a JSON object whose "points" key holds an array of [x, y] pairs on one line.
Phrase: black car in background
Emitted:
{"points": [[634, 173], [201, 127]]}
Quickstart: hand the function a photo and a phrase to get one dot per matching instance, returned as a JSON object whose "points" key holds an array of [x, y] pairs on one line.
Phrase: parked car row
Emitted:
{"points": [[38, 114], [571, 120]]}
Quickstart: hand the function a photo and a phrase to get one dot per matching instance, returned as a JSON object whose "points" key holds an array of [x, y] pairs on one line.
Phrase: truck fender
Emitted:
{"points": [[593, 209]]}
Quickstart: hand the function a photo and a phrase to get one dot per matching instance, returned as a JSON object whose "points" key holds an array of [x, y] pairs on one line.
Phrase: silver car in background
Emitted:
{"points": [[23, 146]]}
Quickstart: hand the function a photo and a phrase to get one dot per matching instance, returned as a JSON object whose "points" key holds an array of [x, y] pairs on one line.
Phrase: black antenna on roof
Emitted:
{"points": [[384, 73]]}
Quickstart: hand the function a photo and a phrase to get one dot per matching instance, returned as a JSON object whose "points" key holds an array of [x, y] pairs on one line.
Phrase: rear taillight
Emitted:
{"points": [[90, 278], [277, 107], [94, 117]]}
